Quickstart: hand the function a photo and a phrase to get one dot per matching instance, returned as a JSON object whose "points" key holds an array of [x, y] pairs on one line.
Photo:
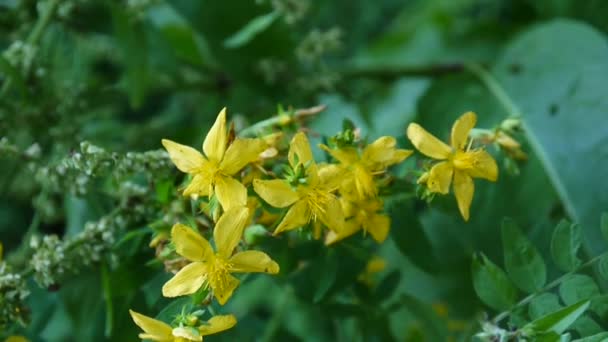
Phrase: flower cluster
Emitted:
{"points": [[334, 199]]}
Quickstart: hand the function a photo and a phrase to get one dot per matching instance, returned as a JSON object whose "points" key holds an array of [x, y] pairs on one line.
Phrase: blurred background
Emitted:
{"points": [[88, 86]]}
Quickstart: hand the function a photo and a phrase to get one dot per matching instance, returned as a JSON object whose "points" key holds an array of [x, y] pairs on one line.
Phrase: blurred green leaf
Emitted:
{"points": [[558, 321], [256, 26], [132, 42], [523, 262], [560, 96], [387, 286], [565, 243], [602, 267], [543, 304], [187, 43], [578, 287], [491, 284], [327, 277], [601, 337], [604, 226]]}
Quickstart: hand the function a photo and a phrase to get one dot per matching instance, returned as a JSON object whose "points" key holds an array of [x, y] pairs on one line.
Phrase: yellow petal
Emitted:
{"points": [[463, 190], [253, 261], [364, 183], [426, 143], [440, 177], [199, 185], [382, 153], [349, 228], [187, 334], [378, 226], [296, 216], [299, 149], [333, 217], [185, 158], [155, 330], [461, 128], [190, 244], [276, 192], [187, 281], [1, 251], [484, 166], [216, 140], [229, 230], [217, 324], [223, 288], [330, 176], [345, 155], [240, 153], [230, 192], [16, 338]]}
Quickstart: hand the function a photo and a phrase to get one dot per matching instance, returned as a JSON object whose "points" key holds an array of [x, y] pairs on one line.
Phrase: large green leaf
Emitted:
{"points": [[565, 244], [523, 262], [492, 285], [555, 75], [578, 287]]}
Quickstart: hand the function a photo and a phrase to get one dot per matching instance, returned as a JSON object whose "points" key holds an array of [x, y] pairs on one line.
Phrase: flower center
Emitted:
{"points": [[464, 160], [219, 270], [317, 201]]}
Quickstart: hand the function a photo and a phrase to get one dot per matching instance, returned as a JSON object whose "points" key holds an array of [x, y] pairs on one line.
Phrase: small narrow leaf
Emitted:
{"points": [[523, 262], [387, 286], [327, 277], [578, 287], [256, 26], [491, 284], [558, 321], [565, 244]]}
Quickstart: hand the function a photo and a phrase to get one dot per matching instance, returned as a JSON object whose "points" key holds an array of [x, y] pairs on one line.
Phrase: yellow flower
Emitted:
{"points": [[1, 251], [459, 162], [361, 214], [156, 330], [214, 269], [312, 199], [375, 265], [361, 168], [213, 173]]}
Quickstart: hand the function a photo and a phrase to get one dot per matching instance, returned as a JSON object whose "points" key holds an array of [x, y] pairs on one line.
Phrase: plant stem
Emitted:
{"points": [[549, 286], [494, 87], [396, 72], [281, 119], [35, 35]]}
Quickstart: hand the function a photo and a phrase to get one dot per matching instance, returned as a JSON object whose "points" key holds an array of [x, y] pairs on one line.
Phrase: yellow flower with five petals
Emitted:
{"points": [[459, 163], [213, 172], [214, 269], [360, 169], [156, 330], [310, 201], [361, 214]]}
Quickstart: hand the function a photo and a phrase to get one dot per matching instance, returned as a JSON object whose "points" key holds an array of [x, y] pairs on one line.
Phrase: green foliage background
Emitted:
{"points": [[121, 75]]}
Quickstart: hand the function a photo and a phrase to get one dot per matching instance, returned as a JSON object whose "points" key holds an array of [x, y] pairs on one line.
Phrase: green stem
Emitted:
{"points": [[275, 322], [494, 87], [35, 35], [548, 287], [396, 72], [281, 119]]}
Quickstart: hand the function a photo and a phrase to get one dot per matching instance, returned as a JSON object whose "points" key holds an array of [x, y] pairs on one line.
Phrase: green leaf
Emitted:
{"points": [[602, 267], [604, 225], [565, 244], [601, 337], [561, 97], [558, 321], [12, 75], [256, 26], [543, 304], [187, 44], [327, 277], [523, 262], [491, 284], [578, 287], [387, 286]]}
